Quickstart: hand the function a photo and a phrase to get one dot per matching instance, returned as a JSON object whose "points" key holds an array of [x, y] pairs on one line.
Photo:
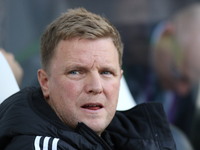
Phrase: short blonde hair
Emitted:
{"points": [[77, 23]]}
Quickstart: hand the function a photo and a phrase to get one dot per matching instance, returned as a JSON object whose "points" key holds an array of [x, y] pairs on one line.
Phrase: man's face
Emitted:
{"points": [[83, 82]]}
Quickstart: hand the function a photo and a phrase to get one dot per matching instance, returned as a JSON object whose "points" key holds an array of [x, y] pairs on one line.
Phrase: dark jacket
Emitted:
{"points": [[28, 122]]}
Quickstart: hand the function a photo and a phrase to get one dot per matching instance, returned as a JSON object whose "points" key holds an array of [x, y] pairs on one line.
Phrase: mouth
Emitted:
{"points": [[92, 106]]}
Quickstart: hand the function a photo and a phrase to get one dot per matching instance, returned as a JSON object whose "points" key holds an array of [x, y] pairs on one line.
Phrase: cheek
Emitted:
{"points": [[112, 91], [70, 89], [63, 87], [112, 99]]}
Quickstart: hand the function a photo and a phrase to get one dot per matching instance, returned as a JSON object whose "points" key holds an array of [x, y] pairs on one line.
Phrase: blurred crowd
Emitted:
{"points": [[174, 71]]}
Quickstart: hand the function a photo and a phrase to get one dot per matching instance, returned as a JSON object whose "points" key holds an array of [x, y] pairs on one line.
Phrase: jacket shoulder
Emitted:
{"points": [[145, 125], [19, 98]]}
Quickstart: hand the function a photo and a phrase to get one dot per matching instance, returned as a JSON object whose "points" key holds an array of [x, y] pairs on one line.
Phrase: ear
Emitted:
{"points": [[44, 82]]}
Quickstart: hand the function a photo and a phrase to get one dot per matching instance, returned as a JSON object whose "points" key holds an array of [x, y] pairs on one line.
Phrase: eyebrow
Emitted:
{"points": [[85, 67]]}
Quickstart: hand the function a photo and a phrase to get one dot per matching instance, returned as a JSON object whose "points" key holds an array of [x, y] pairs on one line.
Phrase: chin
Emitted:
{"points": [[96, 126]]}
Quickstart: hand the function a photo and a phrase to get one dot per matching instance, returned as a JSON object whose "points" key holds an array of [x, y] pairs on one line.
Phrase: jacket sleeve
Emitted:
{"points": [[143, 127], [25, 142], [21, 142]]}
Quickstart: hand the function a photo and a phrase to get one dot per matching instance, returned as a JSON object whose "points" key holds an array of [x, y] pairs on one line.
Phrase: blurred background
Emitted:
{"points": [[23, 21]]}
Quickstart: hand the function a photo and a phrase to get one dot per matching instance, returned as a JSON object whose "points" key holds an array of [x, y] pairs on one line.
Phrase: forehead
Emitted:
{"points": [[85, 50]]}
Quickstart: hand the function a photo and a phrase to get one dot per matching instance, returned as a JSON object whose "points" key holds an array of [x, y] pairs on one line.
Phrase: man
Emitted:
{"points": [[80, 79]]}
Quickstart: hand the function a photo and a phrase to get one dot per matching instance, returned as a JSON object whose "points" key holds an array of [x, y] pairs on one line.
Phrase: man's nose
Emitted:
{"points": [[94, 83]]}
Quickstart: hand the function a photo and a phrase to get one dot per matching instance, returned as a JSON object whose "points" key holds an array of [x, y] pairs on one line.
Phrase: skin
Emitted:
{"points": [[82, 84]]}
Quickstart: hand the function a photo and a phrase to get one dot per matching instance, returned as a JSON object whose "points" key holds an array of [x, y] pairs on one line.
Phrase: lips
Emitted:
{"points": [[92, 106]]}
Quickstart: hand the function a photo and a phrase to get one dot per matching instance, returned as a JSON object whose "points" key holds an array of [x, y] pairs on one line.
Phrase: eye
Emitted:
{"points": [[106, 73], [74, 72]]}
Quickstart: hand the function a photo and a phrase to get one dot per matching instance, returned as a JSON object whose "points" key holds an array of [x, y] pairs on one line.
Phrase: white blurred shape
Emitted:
{"points": [[8, 83], [125, 101]]}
